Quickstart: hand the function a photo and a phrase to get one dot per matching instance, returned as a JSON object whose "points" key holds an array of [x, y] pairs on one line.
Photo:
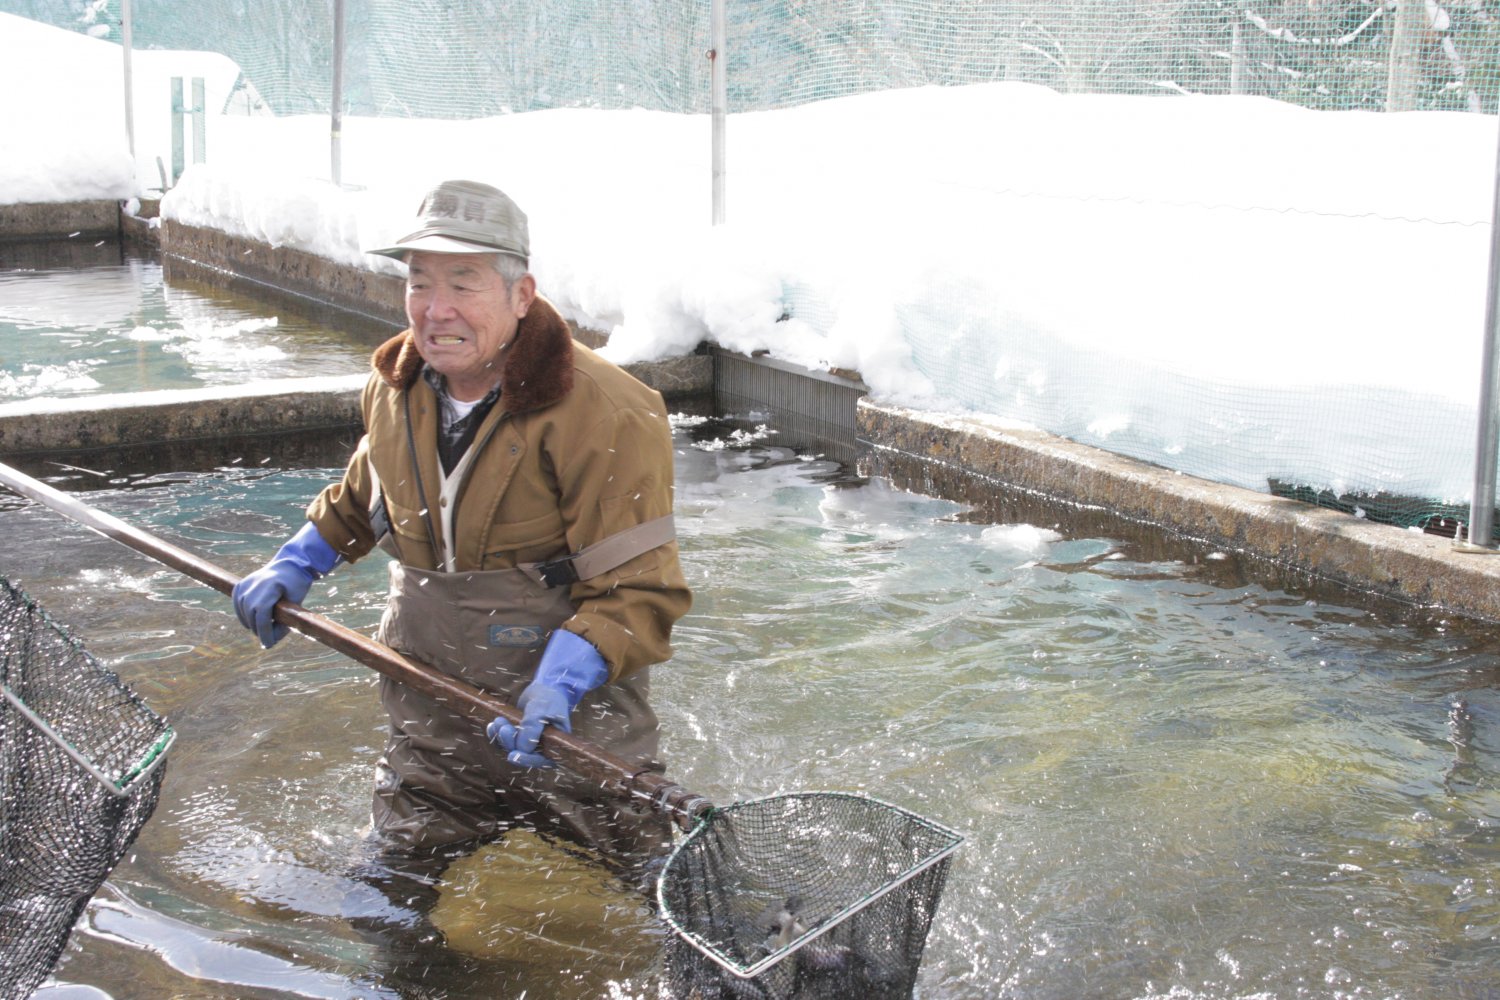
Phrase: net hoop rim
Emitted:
{"points": [[121, 787], [151, 758], [955, 841]]}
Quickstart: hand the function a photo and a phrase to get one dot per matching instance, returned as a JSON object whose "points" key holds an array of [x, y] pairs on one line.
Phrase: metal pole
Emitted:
{"points": [[129, 84], [200, 120], [1236, 58], [336, 100], [177, 109], [720, 98], [1482, 510]]}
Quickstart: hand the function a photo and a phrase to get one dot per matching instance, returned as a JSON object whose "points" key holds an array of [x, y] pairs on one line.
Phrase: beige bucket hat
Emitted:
{"points": [[465, 217]]}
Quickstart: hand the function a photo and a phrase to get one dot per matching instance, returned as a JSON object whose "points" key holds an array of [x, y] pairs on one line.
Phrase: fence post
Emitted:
{"points": [[176, 128], [179, 109], [199, 111], [1482, 508], [720, 104], [336, 100], [129, 84], [1404, 66]]}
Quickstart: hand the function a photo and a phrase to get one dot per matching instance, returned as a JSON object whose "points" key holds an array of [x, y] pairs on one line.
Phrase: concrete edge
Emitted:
{"points": [[1387, 561], [280, 406], [81, 220], [283, 275], [90, 423], [289, 276]]}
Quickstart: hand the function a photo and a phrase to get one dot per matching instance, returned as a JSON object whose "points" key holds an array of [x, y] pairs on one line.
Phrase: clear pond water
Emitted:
{"points": [[1179, 777], [118, 326]]}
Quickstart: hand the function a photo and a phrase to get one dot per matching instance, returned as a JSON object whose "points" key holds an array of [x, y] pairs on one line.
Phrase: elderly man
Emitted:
{"points": [[523, 486]]}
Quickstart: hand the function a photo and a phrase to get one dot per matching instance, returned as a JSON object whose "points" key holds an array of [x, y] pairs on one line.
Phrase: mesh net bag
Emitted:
{"points": [[81, 763], [818, 894]]}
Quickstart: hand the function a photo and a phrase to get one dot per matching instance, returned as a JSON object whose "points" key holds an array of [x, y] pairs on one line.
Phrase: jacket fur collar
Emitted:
{"points": [[538, 367]]}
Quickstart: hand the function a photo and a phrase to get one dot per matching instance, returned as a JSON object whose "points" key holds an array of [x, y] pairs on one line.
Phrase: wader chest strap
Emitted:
{"points": [[605, 554]]}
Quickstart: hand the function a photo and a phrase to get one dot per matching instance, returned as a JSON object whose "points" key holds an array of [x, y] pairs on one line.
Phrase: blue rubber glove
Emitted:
{"points": [[288, 575], [571, 667]]}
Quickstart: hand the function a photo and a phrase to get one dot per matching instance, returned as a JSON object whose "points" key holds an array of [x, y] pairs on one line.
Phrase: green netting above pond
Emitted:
{"points": [[475, 58]]}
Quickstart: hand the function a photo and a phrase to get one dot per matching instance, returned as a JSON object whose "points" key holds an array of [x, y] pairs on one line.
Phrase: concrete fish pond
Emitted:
{"points": [[1176, 774], [1181, 766]]}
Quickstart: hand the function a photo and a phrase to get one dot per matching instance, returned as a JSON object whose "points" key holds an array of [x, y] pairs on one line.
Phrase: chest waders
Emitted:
{"points": [[440, 782]]}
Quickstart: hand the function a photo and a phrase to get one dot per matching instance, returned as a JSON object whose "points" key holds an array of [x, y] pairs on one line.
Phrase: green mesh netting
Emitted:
{"points": [[1429, 516], [817, 894], [470, 58], [81, 763]]}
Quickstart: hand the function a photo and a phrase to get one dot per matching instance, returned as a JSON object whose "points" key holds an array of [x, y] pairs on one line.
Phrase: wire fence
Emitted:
{"points": [[475, 58], [479, 58]]}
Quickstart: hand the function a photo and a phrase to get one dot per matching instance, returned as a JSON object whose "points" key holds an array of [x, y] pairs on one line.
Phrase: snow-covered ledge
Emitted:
{"points": [[292, 405]]}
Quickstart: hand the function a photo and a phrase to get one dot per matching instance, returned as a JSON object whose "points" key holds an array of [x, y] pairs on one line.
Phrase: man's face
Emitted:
{"points": [[463, 317]]}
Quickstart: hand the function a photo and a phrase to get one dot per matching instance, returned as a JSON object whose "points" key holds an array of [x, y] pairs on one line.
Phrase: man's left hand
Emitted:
{"points": [[570, 668], [540, 705]]}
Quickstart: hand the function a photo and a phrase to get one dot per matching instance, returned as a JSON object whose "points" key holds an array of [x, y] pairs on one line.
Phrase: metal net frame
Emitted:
{"points": [[814, 894], [81, 764]]}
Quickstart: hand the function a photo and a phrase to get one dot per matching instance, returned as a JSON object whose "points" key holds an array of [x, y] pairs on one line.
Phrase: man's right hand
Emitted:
{"points": [[290, 574]]}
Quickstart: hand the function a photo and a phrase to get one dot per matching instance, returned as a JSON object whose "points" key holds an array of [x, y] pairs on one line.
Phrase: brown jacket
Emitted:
{"points": [[575, 451]]}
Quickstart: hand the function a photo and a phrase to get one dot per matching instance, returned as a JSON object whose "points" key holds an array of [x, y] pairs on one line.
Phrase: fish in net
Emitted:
{"points": [[809, 895], [81, 764]]}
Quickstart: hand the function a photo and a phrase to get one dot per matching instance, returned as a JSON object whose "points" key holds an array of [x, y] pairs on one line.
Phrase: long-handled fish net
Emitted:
{"points": [[81, 763], [809, 895]]}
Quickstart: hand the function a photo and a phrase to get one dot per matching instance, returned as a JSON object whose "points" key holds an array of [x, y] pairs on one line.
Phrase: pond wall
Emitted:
{"points": [[70, 220], [960, 457]]}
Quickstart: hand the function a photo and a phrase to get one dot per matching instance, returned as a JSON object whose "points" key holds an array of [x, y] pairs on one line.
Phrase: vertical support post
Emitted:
{"points": [[1404, 69], [176, 128], [336, 98], [720, 104], [180, 109], [1482, 508], [129, 80], [199, 112], [1236, 55]]}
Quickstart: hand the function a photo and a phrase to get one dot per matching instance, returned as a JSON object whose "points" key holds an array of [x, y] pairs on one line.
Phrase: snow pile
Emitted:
{"points": [[62, 129]]}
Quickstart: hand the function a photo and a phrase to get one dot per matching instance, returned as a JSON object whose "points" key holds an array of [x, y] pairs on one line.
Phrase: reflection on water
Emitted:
{"points": [[119, 327], [1175, 781]]}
